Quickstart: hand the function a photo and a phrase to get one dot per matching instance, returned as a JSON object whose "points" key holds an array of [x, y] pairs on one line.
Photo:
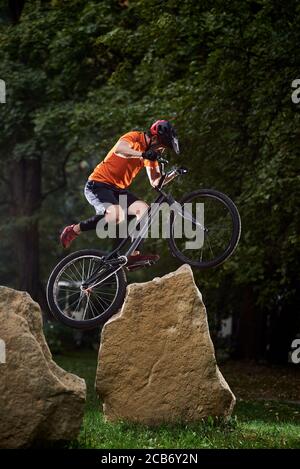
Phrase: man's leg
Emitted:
{"points": [[94, 198], [99, 198], [138, 208], [87, 225], [113, 214], [73, 231], [135, 210]]}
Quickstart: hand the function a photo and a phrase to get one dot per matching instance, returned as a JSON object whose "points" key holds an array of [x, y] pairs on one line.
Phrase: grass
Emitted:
{"points": [[255, 423]]}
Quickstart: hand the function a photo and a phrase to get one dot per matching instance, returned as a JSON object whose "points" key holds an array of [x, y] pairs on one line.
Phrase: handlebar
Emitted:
{"points": [[179, 171], [160, 159]]}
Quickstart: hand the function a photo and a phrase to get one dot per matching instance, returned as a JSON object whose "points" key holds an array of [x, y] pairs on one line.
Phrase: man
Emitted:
{"points": [[115, 173]]}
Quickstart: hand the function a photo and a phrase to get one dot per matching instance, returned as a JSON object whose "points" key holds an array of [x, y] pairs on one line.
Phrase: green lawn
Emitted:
{"points": [[255, 423]]}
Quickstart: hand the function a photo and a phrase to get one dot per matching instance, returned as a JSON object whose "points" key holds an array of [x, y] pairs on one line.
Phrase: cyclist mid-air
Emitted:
{"points": [[112, 176], [88, 286]]}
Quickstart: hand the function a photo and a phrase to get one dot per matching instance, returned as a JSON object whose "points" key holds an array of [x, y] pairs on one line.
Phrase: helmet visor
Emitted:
{"points": [[175, 145], [167, 137]]}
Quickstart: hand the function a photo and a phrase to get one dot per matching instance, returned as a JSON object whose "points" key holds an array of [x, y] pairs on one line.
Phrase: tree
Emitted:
{"points": [[80, 74]]}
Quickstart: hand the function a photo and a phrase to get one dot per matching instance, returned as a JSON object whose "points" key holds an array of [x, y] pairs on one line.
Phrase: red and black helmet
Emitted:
{"points": [[166, 134]]}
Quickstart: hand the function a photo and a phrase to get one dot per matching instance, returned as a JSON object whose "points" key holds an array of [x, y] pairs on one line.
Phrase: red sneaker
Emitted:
{"points": [[142, 259], [67, 236]]}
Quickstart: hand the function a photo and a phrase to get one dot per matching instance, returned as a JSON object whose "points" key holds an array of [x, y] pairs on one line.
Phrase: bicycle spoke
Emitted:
{"points": [[67, 290], [82, 272], [102, 292], [92, 309], [69, 306], [78, 303], [95, 306], [99, 301], [86, 306], [210, 246], [74, 265], [93, 267], [73, 273], [89, 269], [201, 255], [71, 278], [72, 294], [218, 228]]}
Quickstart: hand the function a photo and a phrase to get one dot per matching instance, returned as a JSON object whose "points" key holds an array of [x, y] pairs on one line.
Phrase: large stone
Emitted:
{"points": [[38, 399], [156, 359]]}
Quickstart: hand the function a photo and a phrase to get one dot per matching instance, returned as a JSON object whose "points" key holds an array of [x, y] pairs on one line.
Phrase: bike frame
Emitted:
{"points": [[113, 261], [116, 261], [146, 221]]}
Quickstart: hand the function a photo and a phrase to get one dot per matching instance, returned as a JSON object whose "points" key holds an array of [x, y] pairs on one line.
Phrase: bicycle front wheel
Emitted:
{"points": [[84, 309], [210, 229]]}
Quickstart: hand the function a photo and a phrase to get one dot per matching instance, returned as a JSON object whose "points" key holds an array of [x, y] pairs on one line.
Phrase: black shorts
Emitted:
{"points": [[100, 195]]}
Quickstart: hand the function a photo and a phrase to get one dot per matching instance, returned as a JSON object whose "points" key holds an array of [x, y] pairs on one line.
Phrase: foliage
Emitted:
{"points": [[79, 74], [62, 340]]}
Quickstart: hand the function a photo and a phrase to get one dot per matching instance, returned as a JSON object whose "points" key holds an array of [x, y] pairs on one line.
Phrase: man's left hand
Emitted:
{"points": [[151, 155]]}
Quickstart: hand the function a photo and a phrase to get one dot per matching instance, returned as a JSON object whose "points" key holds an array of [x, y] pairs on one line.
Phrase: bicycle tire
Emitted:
{"points": [[89, 323], [236, 230]]}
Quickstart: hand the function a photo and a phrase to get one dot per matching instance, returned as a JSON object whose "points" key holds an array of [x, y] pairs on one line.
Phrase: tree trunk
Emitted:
{"points": [[26, 196], [249, 329], [15, 8]]}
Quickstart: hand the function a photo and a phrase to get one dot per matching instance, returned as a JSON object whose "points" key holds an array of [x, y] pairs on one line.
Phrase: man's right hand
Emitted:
{"points": [[151, 155]]}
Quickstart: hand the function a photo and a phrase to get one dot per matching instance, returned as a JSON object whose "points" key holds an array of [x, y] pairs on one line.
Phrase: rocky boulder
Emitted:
{"points": [[156, 359], [39, 400]]}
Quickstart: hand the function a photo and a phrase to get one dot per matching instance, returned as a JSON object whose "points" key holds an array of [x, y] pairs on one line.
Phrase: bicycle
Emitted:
{"points": [[88, 286]]}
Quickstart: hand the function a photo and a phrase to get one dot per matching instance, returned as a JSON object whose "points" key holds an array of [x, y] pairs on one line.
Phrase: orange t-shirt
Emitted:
{"points": [[121, 170]]}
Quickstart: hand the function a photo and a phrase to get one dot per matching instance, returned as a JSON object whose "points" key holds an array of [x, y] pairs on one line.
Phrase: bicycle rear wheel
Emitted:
{"points": [[214, 230], [84, 309]]}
